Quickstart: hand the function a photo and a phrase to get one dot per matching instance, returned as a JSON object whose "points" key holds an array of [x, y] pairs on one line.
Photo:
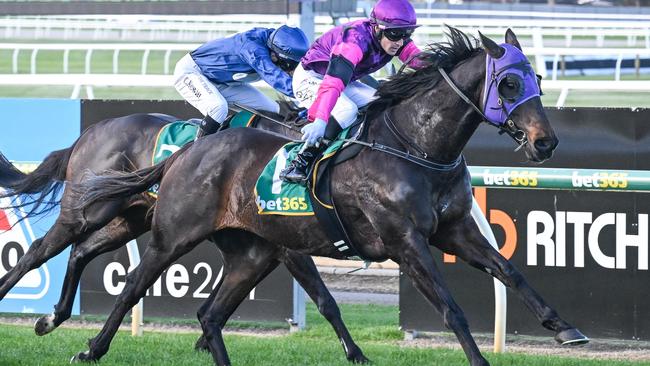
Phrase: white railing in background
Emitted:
{"points": [[558, 53], [467, 13], [539, 53], [88, 81], [538, 31], [595, 27], [89, 48]]}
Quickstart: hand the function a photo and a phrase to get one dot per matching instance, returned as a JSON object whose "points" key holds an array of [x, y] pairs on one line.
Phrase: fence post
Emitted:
{"points": [[500, 300], [138, 309]]}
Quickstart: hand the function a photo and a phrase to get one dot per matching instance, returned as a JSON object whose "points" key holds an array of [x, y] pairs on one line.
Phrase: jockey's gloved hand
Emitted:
{"points": [[313, 131]]}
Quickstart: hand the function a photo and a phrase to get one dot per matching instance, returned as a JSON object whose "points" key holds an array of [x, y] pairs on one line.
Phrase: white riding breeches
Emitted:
{"points": [[212, 98], [355, 95]]}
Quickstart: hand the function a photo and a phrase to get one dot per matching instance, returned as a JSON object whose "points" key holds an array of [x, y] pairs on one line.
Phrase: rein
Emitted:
{"points": [[265, 116], [425, 163], [406, 155]]}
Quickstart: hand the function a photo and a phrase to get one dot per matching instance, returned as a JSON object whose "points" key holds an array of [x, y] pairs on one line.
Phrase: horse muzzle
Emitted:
{"points": [[542, 148]]}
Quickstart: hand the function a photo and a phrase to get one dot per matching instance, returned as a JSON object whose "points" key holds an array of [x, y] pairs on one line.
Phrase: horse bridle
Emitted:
{"points": [[507, 127]]}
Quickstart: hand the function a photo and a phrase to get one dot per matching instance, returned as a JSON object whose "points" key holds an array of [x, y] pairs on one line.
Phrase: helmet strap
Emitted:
{"points": [[379, 33]]}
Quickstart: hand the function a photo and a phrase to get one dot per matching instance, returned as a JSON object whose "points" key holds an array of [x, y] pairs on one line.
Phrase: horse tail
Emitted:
{"points": [[44, 183], [115, 185]]}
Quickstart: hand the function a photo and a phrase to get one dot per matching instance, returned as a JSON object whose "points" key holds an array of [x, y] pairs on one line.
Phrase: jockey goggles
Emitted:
{"points": [[286, 64], [397, 34]]}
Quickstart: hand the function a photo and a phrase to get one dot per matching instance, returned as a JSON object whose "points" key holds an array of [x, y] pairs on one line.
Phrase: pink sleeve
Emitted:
{"points": [[328, 93], [331, 88], [350, 51], [411, 50]]}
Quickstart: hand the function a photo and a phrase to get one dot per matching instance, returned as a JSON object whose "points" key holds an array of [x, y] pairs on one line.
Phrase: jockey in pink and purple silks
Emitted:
{"points": [[327, 79]]}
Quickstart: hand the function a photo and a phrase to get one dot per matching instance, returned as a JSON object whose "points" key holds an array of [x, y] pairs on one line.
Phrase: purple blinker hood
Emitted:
{"points": [[515, 65]]}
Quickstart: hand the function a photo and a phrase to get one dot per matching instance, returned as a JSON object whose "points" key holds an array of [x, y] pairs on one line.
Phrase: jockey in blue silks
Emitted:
{"points": [[220, 71]]}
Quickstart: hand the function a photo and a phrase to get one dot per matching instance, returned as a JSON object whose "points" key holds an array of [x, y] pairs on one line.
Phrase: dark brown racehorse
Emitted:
{"points": [[102, 147], [394, 205]]}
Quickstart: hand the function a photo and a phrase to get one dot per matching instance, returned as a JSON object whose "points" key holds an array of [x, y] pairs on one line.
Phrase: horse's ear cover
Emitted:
{"points": [[493, 49], [511, 38]]}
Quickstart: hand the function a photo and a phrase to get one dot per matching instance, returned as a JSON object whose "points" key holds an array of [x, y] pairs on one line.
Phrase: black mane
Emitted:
{"points": [[404, 85]]}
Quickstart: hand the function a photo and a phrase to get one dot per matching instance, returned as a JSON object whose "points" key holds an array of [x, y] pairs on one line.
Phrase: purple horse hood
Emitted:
{"points": [[510, 81]]}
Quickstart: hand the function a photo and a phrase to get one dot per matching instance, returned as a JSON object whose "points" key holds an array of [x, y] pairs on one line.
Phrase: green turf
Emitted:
{"points": [[375, 329]]}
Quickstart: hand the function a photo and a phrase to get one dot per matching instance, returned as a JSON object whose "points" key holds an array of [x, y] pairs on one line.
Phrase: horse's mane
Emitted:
{"points": [[447, 54]]}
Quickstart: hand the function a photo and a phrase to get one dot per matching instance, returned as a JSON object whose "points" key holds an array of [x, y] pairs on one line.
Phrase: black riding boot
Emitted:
{"points": [[208, 126], [298, 170]]}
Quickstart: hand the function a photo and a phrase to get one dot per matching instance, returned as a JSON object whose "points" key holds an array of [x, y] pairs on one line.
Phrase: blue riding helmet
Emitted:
{"points": [[289, 43]]}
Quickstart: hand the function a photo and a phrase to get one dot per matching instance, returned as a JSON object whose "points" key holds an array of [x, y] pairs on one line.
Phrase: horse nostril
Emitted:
{"points": [[545, 144]]}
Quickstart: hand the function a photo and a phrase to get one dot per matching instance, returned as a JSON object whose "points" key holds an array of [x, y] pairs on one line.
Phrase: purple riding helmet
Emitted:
{"points": [[510, 81], [395, 18]]}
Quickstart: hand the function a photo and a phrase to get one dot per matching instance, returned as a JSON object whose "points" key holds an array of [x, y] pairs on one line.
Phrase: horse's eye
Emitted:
{"points": [[511, 87]]}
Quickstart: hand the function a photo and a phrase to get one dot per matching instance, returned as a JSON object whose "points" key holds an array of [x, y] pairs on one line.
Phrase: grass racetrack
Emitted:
{"points": [[375, 329]]}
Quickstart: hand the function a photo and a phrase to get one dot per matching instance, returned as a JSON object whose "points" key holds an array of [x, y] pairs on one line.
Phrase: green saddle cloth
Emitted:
{"points": [[176, 134], [171, 138], [274, 196]]}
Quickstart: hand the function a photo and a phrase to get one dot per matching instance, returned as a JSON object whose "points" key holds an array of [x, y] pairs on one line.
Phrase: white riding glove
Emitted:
{"points": [[313, 131]]}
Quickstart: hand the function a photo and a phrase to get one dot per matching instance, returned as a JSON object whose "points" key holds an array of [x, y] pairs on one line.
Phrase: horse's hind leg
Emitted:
{"points": [[41, 250], [247, 260], [67, 229], [304, 270], [112, 236], [159, 255], [465, 240]]}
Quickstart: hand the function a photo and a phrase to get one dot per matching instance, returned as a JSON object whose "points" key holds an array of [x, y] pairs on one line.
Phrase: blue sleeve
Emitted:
{"points": [[259, 59]]}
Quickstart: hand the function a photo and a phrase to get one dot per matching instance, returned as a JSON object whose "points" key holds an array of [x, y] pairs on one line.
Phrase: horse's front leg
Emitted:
{"points": [[418, 263], [464, 239], [304, 270]]}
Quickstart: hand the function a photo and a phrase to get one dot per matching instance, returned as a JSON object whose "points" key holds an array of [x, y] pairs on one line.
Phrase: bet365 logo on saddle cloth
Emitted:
{"points": [[277, 197], [274, 196]]}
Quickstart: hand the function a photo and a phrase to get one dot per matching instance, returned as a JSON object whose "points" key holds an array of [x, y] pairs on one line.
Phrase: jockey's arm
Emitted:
{"points": [[260, 60], [345, 57], [408, 53]]}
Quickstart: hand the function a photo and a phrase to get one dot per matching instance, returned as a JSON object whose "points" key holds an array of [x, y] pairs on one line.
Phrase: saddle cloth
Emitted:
{"points": [[274, 196], [175, 135]]}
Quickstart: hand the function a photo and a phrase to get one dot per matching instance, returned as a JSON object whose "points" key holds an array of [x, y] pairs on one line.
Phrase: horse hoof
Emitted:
{"points": [[44, 325], [82, 357], [201, 345], [359, 359], [571, 337]]}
